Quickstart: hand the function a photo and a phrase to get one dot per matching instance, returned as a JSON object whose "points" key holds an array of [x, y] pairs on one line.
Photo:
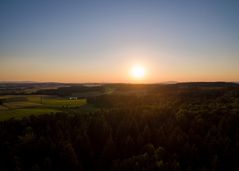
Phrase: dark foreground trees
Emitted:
{"points": [[180, 132]]}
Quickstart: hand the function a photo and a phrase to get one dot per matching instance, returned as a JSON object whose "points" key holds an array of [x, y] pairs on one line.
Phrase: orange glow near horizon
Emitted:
{"points": [[132, 68]]}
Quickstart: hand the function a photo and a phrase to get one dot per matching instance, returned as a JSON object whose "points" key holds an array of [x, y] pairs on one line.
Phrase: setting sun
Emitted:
{"points": [[137, 72]]}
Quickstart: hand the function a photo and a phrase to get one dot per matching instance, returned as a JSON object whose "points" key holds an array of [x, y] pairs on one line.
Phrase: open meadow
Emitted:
{"points": [[19, 106]]}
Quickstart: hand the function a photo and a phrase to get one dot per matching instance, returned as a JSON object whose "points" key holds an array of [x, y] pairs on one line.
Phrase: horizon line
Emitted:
{"points": [[163, 82]]}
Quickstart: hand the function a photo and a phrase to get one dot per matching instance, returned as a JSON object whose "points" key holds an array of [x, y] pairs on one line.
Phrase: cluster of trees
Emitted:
{"points": [[152, 132], [71, 90]]}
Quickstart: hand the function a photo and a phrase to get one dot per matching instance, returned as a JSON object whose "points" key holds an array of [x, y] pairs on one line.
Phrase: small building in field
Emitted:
{"points": [[73, 98]]}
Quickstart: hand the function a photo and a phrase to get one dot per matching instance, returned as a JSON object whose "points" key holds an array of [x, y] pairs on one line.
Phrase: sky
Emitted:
{"points": [[100, 41]]}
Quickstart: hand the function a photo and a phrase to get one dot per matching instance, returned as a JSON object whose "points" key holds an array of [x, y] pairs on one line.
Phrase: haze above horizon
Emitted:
{"points": [[101, 41]]}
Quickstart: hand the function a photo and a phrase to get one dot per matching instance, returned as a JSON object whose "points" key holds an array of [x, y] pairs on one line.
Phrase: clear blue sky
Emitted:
{"points": [[99, 41]]}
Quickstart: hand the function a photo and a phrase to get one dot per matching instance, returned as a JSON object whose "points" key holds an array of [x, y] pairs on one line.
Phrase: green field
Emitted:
{"points": [[51, 101], [20, 113], [63, 102], [23, 106]]}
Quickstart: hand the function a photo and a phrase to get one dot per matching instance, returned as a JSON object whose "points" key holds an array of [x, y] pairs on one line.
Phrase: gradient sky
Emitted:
{"points": [[99, 41]]}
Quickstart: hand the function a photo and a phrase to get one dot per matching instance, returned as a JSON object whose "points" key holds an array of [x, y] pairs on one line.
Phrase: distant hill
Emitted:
{"points": [[208, 84], [169, 82], [17, 82]]}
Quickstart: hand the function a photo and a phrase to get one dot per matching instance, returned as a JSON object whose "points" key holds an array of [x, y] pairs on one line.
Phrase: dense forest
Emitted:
{"points": [[191, 127]]}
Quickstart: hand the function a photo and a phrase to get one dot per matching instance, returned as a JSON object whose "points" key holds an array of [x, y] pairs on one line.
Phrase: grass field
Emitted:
{"points": [[51, 101], [36, 105], [63, 102], [21, 104], [20, 113]]}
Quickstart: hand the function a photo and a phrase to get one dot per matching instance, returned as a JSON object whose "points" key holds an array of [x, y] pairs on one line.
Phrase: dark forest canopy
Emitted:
{"points": [[171, 128]]}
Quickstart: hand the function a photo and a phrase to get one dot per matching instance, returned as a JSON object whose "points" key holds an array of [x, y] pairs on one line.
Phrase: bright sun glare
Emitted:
{"points": [[137, 72]]}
